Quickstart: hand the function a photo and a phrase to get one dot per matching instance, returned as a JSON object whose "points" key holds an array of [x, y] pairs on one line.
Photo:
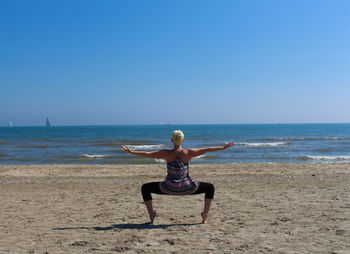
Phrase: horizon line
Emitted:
{"points": [[168, 124]]}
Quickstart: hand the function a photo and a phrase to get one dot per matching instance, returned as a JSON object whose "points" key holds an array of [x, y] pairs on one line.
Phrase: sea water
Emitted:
{"points": [[300, 143]]}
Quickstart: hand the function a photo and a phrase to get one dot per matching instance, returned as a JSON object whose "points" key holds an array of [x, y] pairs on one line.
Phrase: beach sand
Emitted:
{"points": [[258, 208]]}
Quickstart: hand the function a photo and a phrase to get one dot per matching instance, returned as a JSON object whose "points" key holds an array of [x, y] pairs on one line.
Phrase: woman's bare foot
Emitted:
{"points": [[204, 217], [152, 216]]}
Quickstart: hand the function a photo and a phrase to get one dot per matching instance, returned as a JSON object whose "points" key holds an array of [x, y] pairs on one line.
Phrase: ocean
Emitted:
{"points": [[288, 143]]}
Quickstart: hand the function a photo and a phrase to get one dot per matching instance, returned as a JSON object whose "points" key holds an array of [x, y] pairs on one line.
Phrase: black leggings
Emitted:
{"points": [[153, 187]]}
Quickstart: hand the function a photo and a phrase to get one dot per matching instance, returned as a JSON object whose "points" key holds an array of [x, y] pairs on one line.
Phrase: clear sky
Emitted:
{"points": [[177, 62]]}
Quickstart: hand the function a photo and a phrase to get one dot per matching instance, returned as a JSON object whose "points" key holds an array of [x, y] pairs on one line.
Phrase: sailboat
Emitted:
{"points": [[10, 124], [48, 122]]}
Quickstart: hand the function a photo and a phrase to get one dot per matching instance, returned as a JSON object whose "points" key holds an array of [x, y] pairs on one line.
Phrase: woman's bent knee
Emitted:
{"points": [[210, 192], [146, 194], [144, 187], [211, 187]]}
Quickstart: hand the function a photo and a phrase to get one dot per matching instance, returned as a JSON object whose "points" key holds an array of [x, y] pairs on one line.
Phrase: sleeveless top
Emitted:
{"points": [[178, 180]]}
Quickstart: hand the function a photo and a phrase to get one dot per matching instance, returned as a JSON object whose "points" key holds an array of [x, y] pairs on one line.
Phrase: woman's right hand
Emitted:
{"points": [[229, 145], [127, 149]]}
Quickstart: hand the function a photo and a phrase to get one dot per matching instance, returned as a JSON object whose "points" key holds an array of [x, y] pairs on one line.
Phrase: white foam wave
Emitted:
{"points": [[194, 158], [199, 157], [303, 138], [318, 138], [328, 158], [94, 155], [146, 147], [160, 161], [264, 144]]}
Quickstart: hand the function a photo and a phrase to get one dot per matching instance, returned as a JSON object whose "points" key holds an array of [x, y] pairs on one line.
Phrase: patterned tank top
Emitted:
{"points": [[178, 180]]}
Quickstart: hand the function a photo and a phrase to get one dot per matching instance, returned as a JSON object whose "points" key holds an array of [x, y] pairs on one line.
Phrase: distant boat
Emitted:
{"points": [[48, 122], [162, 123], [10, 124], [96, 123]]}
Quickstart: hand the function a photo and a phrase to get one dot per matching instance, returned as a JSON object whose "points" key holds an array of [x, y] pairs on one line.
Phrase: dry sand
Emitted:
{"points": [[258, 208]]}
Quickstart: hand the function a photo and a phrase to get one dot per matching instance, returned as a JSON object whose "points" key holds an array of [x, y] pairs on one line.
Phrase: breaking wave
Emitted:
{"points": [[199, 157], [303, 138], [264, 144], [194, 158], [160, 161], [145, 147], [91, 156], [325, 158]]}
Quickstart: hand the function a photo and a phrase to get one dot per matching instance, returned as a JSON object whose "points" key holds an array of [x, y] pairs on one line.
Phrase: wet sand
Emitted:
{"points": [[258, 208]]}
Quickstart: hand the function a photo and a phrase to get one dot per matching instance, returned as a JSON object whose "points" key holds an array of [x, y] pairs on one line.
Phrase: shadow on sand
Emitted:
{"points": [[129, 226]]}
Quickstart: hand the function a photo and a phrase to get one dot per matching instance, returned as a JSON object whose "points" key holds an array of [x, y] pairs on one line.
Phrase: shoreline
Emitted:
{"points": [[258, 207], [159, 169]]}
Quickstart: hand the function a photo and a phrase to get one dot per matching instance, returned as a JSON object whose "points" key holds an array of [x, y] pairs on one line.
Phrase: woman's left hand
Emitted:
{"points": [[229, 145], [127, 149]]}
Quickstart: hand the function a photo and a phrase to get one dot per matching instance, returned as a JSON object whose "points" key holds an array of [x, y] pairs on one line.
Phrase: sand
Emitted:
{"points": [[258, 208]]}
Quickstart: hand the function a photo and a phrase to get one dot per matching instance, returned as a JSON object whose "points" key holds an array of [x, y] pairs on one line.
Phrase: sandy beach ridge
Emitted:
{"points": [[258, 208]]}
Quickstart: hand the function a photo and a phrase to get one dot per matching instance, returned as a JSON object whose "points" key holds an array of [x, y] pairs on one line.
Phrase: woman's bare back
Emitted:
{"points": [[178, 154]]}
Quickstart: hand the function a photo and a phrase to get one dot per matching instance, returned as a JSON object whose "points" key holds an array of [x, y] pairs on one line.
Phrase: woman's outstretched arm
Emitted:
{"points": [[194, 152], [154, 154]]}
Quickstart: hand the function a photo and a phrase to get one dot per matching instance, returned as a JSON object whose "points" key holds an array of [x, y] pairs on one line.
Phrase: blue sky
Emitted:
{"points": [[180, 62]]}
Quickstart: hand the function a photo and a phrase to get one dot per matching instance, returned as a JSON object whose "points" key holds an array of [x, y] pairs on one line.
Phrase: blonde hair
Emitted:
{"points": [[178, 137]]}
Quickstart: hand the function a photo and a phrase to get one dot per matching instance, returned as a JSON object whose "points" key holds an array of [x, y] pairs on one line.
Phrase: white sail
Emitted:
{"points": [[48, 122], [10, 124]]}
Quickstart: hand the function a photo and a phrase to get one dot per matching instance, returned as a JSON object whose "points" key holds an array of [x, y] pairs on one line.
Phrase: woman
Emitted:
{"points": [[178, 180]]}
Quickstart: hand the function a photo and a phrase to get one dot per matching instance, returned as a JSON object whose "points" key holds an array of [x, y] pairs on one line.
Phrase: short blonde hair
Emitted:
{"points": [[178, 137]]}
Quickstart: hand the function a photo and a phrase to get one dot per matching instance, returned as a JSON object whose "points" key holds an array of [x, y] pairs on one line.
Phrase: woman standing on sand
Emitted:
{"points": [[178, 180]]}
